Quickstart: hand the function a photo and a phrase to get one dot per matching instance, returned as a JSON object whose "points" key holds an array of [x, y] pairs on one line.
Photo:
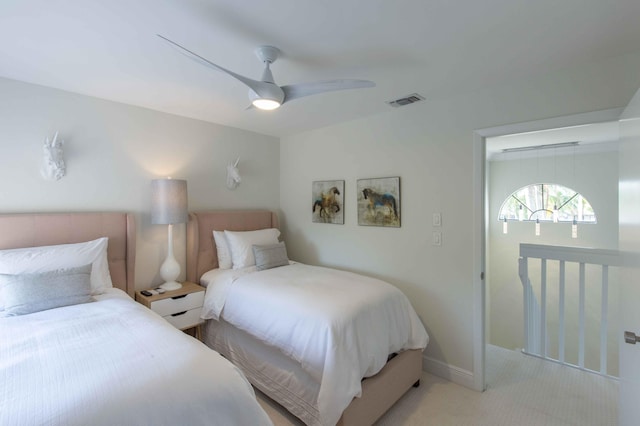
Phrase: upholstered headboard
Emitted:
{"points": [[201, 250], [44, 229]]}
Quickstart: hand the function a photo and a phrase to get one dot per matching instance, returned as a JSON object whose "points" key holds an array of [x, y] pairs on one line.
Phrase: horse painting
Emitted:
{"points": [[379, 202], [327, 203]]}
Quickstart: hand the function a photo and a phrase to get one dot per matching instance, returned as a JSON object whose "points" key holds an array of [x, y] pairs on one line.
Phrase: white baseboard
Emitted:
{"points": [[448, 372]]}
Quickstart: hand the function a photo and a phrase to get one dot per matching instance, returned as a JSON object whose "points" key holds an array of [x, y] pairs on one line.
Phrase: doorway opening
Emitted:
{"points": [[584, 158], [487, 142]]}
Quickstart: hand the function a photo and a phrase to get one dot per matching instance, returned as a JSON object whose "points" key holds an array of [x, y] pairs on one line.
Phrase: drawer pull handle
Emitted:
{"points": [[178, 314], [179, 297]]}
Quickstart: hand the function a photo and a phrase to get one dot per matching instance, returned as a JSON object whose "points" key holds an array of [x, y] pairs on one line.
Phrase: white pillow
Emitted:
{"points": [[224, 257], [241, 244], [48, 258]]}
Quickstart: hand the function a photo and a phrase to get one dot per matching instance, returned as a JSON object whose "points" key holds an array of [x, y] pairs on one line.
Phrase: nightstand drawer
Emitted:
{"points": [[185, 319], [183, 303]]}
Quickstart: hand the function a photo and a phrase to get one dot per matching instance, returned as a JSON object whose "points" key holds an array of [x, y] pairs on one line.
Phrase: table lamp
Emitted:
{"points": [[169, 206]]}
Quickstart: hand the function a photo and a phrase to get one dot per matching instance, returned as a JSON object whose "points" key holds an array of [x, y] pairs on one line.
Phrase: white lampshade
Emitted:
{"points": [[168, 201], [169, 206]]}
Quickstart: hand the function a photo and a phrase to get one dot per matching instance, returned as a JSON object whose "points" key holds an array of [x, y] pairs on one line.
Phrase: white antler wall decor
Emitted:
{"points": [[53, 167], [233, 175]]}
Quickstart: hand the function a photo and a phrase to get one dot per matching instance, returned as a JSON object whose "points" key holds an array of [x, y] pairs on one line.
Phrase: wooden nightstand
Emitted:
{"points": [[181, 307]]}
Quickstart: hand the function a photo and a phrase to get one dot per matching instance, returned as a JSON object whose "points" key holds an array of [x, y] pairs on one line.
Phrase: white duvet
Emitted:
{"points": [[114, 362], [339, 326]]}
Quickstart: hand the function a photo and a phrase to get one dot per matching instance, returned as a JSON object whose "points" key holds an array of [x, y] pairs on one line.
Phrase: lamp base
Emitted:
{"points": [[171, 285]]}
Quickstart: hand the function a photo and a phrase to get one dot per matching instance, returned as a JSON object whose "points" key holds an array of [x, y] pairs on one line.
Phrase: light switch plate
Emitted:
{"points": [[436, 220]]}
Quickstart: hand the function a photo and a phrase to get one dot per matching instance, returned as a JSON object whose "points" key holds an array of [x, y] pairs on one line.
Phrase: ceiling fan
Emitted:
{"points": [[265, 93]]}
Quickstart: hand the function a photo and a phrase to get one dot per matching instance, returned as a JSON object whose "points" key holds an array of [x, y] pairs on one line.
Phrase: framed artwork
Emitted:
{"points": [[327, 197], [379, 202]]}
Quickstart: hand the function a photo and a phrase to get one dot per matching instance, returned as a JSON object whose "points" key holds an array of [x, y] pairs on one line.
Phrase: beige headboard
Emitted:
{"points": [[44, 229], [201, 250]]}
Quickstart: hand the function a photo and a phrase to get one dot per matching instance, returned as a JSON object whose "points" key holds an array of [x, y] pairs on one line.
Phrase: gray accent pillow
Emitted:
{"points": [[28, 293], [270, 256]]}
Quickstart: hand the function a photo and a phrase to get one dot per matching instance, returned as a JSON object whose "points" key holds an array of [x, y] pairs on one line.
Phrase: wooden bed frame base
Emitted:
{"points": [[381, 391]]}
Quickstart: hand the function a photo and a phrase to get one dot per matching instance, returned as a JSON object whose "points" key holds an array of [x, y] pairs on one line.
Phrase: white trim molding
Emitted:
{"points": [[449, 372]]}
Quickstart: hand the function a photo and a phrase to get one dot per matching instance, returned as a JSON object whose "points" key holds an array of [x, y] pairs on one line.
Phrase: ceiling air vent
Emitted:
{"points": [[410, 99]]}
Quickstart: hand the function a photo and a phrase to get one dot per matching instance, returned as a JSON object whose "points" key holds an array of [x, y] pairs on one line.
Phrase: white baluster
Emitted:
{"points": [[604, 319], [561, 326], [581, 316]]}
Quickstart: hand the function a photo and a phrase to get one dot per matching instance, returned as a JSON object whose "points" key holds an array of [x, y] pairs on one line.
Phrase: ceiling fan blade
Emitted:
{"points": [[295, 91], [255, 85]]}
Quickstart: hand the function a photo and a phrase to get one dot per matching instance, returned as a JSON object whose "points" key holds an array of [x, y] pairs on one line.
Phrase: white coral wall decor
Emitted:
{"points": [[233, 175], [53, 167]]}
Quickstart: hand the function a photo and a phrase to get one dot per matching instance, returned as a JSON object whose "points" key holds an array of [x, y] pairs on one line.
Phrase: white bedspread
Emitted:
{"points": [[340, 326], [114, 362]]}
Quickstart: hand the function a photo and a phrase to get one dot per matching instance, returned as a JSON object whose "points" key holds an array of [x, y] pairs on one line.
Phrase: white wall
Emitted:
{"points": [[595, 176], [430, 146], [113, 151]]}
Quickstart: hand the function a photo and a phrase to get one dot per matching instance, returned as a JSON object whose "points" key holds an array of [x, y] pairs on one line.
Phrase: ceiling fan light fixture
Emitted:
{"points": [[265, 94], [269, 98], [266, 104]]}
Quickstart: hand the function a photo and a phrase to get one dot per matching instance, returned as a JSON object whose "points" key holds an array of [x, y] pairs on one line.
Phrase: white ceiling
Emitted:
{"points": [[109, 49]]}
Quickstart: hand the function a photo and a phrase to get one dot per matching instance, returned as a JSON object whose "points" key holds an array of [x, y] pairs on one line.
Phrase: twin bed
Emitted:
{"points": [[328, 360], [305, 336], [109, 361]]}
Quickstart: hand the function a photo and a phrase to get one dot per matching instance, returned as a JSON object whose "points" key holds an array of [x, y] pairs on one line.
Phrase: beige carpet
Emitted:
{"points": [[522, 391]]}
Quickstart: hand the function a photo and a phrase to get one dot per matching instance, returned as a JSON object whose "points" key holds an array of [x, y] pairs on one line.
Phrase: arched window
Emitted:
{"points": [[547, 202]]}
